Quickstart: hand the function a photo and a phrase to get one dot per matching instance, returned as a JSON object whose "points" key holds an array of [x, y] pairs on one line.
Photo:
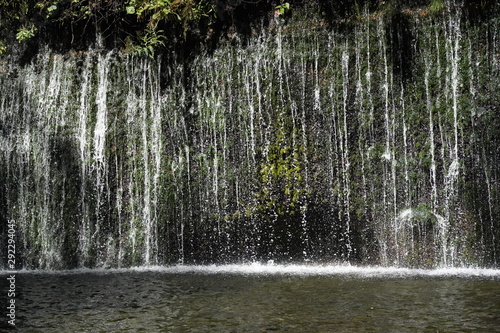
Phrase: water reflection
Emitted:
{"points": [[132, 301]]}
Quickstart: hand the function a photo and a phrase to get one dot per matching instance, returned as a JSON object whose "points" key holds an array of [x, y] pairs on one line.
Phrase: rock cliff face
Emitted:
{"points": [[373, 139]]}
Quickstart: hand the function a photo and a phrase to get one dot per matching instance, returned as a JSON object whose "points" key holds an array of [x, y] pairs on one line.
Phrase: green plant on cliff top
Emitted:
{"points": [[24, 16], [149, 41], [155, 11]]}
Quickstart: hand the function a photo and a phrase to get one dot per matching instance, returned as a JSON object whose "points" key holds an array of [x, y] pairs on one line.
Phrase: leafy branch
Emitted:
{"points": [[148, 42], [23, 16], [26, 33], [280, 9]]}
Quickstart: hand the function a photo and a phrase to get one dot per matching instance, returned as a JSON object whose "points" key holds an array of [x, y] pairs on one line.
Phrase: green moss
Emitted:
{"points": [[281, 172], [436, 6]]}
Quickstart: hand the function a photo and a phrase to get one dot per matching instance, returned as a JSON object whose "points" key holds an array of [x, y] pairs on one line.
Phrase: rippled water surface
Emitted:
{"points": [[250, 299]]}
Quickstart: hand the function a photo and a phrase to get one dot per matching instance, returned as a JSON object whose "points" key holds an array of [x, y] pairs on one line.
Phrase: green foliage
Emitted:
{"points": [[3, 48], [281, 173], [358, 11], [130, 10], [155, 11], [436, 6], [148, 42], [20, 16], [13, 10], [49, 7], [280, 9], [25, 33], [76, 10]]}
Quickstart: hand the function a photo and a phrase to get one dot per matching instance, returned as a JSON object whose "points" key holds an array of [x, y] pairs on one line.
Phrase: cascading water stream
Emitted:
{"points": [[344, 146], [100, 161], [299, 143]]}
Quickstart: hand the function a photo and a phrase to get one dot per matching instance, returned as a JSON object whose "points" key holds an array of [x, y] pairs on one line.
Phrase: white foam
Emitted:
{"points": [[386, 155], [298, 270], [407, 213]]}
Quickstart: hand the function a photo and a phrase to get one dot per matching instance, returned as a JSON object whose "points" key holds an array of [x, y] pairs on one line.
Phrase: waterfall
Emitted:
{"points": [[372, 142]]}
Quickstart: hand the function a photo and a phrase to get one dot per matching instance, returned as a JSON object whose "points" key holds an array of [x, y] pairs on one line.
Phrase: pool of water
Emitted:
{"points": [[257, 298]]}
